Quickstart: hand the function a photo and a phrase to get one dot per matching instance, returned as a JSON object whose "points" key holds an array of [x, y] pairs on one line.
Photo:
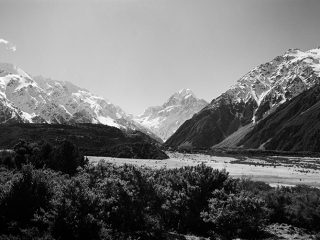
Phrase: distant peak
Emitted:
{"points": [[185, 91], [180, 96]]}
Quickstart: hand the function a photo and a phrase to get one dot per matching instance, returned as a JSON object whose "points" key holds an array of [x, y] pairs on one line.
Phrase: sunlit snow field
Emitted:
{"points": [[275, 170]]}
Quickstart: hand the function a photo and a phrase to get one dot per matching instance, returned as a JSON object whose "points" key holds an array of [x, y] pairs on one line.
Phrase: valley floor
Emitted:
{"points": [[275, 170]]}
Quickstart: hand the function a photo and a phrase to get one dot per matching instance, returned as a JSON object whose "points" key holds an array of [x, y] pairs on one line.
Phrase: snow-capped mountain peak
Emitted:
{"points": [[164, 120], [180, 98], [185, 92], [280, 79]]}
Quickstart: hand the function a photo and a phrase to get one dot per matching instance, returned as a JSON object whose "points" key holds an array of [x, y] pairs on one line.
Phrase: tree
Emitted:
{"points": [[65, 158]]}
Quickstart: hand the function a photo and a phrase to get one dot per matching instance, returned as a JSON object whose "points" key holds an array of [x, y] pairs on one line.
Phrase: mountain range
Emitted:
{"points": [[41, 100], [36, 99], [266, 109], [27, 99], [275, 106]]}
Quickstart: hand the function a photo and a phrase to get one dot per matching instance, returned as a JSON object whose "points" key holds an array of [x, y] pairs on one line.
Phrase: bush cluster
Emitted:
{"points": [[64, 157], [44, 200]]}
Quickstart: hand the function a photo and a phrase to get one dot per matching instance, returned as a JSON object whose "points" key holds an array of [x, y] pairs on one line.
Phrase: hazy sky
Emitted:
{"points": [[136, 53]]}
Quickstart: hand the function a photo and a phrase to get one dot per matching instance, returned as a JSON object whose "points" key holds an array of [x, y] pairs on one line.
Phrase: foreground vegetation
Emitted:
{"points": [[51, 192]]}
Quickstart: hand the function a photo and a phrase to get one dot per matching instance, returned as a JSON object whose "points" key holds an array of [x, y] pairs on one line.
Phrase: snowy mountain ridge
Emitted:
{"points": [[164, 120], [29, 99], [275, 82]]}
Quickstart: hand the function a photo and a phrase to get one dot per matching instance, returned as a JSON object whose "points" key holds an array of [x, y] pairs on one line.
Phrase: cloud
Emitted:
{"points": [[8, 45]]}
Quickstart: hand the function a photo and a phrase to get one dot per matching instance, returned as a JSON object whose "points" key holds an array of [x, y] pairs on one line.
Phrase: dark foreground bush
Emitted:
{"points": [[21, 197], [299, 206], [76, 214], [127, 202], [64, 157], [107, 202], [185, 193], [236, 215]]}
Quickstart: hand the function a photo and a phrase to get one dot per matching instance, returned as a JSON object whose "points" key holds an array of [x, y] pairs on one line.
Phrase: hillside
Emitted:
{"points": [[92, 139]]}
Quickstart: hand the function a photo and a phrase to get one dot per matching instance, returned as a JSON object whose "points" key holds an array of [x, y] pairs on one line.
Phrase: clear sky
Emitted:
{"points": [[136, 53]]}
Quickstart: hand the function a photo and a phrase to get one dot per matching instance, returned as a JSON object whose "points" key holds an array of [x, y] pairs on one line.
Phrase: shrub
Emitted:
{"points": [[65, 158], [185, 193], [235, 215], [255, 187], [76, 212], [299, 206], [28, 193], [130, 202], [7, 158]]}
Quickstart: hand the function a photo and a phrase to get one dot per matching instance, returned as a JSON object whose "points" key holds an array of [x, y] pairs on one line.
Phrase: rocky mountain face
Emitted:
{"points": [[164, 120], [26, 99], [255, 96], [294, 126]]}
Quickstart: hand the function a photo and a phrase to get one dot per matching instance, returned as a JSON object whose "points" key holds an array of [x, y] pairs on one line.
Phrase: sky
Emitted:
{"points": [[137, 53]]}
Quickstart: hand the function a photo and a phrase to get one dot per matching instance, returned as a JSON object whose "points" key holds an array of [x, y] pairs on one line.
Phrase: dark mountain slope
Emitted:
{"points": [[211, 125], [92, 139], [294, 126]]}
